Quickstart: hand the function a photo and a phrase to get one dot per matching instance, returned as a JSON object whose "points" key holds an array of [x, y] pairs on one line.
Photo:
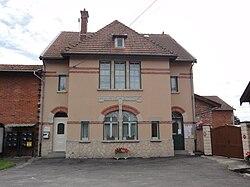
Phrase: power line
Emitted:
{"points": [[143, 12]]}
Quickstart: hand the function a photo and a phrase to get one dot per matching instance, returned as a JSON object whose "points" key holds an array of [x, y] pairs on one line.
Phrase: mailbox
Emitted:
{"points": [[46, 135], [26, 138], [11, 139]]}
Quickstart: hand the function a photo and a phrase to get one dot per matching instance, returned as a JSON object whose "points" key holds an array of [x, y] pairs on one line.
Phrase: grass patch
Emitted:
{"points": [[4, 164]]}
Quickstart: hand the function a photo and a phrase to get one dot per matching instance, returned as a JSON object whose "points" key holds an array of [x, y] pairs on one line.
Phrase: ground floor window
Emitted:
{"points": [[128, 131], [84, 130], [155, 130]]}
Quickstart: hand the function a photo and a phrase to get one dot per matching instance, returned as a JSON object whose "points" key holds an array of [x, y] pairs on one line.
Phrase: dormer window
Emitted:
{"points": [[119, 40], [119, 43]]}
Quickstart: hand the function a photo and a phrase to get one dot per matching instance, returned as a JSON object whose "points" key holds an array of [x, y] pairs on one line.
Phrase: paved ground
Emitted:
{"points": [[177, 171]]}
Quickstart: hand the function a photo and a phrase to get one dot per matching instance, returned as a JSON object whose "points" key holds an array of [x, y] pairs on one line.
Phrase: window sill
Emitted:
{"points": [[84, 141], [120, 141], [61, 92], [156, 140], [120, 90], [175, 92]]}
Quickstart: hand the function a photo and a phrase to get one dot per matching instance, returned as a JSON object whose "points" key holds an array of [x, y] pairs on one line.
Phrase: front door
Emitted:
{"points": [[178, 131], [60, 133]]}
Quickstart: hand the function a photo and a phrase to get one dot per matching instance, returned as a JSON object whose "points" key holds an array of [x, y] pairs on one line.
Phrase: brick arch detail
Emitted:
{"points": [[178, 109], [59, 109], [124, 107]]}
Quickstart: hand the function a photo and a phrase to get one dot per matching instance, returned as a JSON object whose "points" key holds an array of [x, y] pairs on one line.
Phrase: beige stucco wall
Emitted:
{"points": [[83, 103]]}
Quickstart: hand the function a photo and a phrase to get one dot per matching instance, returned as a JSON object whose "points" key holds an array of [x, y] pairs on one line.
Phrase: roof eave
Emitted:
{"points": [[119, 54], [246, 95]]}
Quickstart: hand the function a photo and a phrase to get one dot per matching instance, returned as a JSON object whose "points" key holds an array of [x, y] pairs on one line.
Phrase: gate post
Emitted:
{"points": [[245, 132], [207, 139]]}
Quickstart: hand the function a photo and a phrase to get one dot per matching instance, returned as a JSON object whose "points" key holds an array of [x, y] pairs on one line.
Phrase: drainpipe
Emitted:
{"points": [[193, 104], [42, 108]]}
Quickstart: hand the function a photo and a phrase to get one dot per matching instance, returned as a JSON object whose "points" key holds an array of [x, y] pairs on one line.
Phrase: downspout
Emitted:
{"points": [[193, 105], [42, 109]]}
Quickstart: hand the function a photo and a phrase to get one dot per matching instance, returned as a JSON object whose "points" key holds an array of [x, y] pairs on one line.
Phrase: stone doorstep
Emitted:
{"points": [[56, 154]]}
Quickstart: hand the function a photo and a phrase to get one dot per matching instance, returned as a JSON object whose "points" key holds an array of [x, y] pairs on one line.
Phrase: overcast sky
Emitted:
{"points": [[215, 32]]}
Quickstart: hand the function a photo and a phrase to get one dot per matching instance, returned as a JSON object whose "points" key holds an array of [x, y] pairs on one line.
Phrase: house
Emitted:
{"points": [[213, 110], [116, 88], [19, 109], [246, 95]]}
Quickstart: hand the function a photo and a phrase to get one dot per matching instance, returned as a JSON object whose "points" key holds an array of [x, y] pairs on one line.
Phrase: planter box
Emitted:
{"points": [[121, 155]]}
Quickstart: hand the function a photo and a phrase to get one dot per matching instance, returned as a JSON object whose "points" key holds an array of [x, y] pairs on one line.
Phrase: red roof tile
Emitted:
{"points": [[224, 105], [101, 42], [14, 67]]}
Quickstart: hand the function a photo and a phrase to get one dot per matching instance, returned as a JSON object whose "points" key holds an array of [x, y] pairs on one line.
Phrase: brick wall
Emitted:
{"points": [[203, 112], [19, 97], [221, 118]]}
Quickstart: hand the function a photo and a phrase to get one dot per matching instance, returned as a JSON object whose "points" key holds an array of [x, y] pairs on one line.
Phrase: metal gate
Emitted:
{"points": [[227, 141]]}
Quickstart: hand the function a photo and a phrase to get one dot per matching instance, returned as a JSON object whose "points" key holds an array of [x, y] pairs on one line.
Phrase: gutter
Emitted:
{"points": [[42, 110], [193, 104]]}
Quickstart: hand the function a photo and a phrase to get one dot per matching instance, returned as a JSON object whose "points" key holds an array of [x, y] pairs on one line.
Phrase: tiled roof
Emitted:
{"points": [[101, 42], [224, 105], [169, 43], [14, 67], [208, 101]]}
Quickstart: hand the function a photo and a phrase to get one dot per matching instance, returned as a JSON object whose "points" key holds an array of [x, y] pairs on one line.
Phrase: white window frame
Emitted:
{"points": [[174, 89], [83, 123], [117, 42], [130, 76], [60, 87], [100, 76], [130, 130], [157, 130], [111, 123]]}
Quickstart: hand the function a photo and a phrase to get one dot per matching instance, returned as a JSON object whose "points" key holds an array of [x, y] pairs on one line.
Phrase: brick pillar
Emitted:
{"points": [[245, 134], [207, 139]]}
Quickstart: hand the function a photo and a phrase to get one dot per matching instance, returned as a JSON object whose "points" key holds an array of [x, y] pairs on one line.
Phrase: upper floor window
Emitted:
{"points": [[105, 75], [134, 75], [119, 40], [174, 83], [119, 43], [120, 75], [62, 83]]}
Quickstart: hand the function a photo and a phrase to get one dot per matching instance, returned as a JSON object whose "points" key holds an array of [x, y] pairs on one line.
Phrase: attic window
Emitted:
{"points": [[119, 40]]}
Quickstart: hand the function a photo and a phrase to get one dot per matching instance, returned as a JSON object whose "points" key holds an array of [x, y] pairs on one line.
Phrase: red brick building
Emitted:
{"points": [[19, 108], [213, 110]]}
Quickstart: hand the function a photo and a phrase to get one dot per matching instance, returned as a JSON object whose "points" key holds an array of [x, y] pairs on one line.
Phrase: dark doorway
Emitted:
{"points": [[178, 131]]}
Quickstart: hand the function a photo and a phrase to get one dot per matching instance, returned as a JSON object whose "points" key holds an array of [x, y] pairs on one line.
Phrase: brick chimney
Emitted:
{"points": [[84, 23]]}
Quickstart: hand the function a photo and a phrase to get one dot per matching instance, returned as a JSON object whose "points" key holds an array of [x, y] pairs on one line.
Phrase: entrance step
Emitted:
{"points": [[183, 152], [58, 154]]}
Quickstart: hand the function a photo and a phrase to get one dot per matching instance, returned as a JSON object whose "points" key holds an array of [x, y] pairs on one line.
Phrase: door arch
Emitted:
{"points": [[178, 131]]}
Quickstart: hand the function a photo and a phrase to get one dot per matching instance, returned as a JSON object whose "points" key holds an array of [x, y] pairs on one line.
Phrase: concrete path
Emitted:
{"points": [[175, 171]]}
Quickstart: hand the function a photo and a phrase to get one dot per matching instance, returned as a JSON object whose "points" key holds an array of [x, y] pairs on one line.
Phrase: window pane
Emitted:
{"points": [[106, 132], [60, 128], [85, 130], [125, 131], [155, 126], [134, 76], [104, 75], [115, 131], [62, 83], [120, 75], [134, 130], [174, 84]]}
